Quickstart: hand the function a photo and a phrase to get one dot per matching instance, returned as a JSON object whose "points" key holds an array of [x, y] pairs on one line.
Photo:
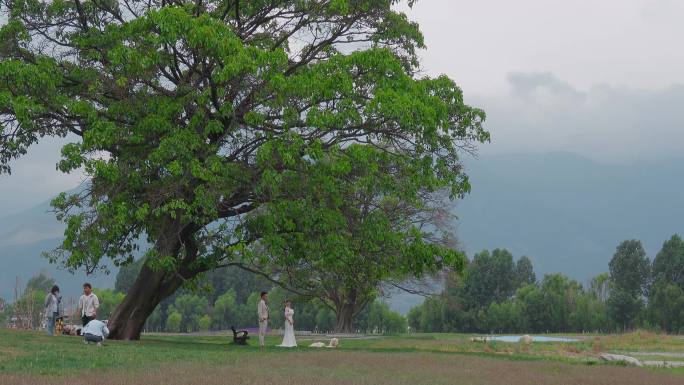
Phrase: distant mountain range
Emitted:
{"points": [[30, 226], [24, 261], [23, 239], [565, 212], [568, 213]]}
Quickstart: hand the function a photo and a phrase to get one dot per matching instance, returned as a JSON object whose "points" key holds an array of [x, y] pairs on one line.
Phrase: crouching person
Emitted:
{"points": [[95, 331]]}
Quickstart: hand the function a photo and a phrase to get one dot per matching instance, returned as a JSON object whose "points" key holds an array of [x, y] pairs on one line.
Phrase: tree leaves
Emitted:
{"points": [[347, 222], [189, 116]]}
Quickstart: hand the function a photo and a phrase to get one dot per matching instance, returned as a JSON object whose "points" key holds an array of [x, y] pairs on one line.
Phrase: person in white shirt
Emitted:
{"points": [[262, 311], [52, 309], [95, 331], [88, 304]]}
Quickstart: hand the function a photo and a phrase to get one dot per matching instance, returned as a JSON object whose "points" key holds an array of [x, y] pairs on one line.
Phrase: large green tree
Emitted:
{"points": [[490, 277], [354, 220], [666, 294], [630, 268], [185, 115], [629, 275]]}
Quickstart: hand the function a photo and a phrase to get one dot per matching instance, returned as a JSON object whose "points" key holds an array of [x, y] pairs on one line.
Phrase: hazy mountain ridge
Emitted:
{"points": [[25, 260], [30, 226], [23, 239], [569, 213]]}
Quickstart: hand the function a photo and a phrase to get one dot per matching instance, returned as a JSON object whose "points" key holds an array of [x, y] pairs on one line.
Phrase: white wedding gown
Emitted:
{"points": [[289, 337]]}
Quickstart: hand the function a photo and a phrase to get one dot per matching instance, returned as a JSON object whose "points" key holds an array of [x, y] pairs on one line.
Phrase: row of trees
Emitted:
{"points": [[192, 312], [648, 292], [497, 295], [221, 299], [229, 296]]}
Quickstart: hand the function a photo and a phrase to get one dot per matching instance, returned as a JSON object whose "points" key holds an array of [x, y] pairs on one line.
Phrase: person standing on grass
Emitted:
{"points": [[88, 304], [95, 331], [289, 340], [262, 311], [52, 309]]}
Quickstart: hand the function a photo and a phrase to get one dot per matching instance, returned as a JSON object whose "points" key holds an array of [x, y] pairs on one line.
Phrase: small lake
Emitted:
{"points": [[534, 338]]}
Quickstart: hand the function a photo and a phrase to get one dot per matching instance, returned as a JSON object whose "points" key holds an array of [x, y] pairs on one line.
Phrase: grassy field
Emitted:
{"points": [[34, 358]]}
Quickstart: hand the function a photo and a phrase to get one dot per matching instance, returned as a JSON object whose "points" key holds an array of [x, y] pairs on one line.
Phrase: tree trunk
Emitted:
{"points": [[345, 318], [150, 288]]}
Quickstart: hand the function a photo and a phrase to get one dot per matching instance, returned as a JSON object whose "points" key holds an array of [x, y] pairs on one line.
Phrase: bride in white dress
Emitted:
{"points": [[289, 337]]}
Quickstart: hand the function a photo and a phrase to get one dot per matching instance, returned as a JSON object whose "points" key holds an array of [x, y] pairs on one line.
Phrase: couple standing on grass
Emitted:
{"points": [[289, 340]]}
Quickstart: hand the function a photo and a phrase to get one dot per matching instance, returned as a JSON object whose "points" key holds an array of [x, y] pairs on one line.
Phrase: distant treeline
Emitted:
{"points": [[496, 295], [228, 297], [216, 301]]}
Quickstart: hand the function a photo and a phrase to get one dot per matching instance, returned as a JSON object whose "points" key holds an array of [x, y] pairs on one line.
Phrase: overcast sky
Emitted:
{"points": [[602, 78], [635, 43]]}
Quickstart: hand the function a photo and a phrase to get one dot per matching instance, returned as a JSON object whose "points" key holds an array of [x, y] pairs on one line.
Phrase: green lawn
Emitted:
{"points": [[36, 353], [34, 358]]}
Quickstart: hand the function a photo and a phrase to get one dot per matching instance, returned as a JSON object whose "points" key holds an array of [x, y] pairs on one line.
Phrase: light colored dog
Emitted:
{"points": [[333, 344]]}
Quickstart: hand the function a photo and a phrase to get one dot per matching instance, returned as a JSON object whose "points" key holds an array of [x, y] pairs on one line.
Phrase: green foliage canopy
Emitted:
{"points": [[354, 220], [668, 264], [490, 277], [187, 115], [630, 271], [630, 268]]}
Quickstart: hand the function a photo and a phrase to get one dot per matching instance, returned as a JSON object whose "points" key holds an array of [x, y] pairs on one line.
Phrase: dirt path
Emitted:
{"points": [[347, 368]]}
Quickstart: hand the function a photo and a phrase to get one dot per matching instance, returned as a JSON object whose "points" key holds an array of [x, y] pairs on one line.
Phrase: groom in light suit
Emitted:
{"points": [[262, 311]]}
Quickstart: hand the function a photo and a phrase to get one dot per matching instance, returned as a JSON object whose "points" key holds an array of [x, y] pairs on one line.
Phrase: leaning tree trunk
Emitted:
{"points": [[150, 288]]}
